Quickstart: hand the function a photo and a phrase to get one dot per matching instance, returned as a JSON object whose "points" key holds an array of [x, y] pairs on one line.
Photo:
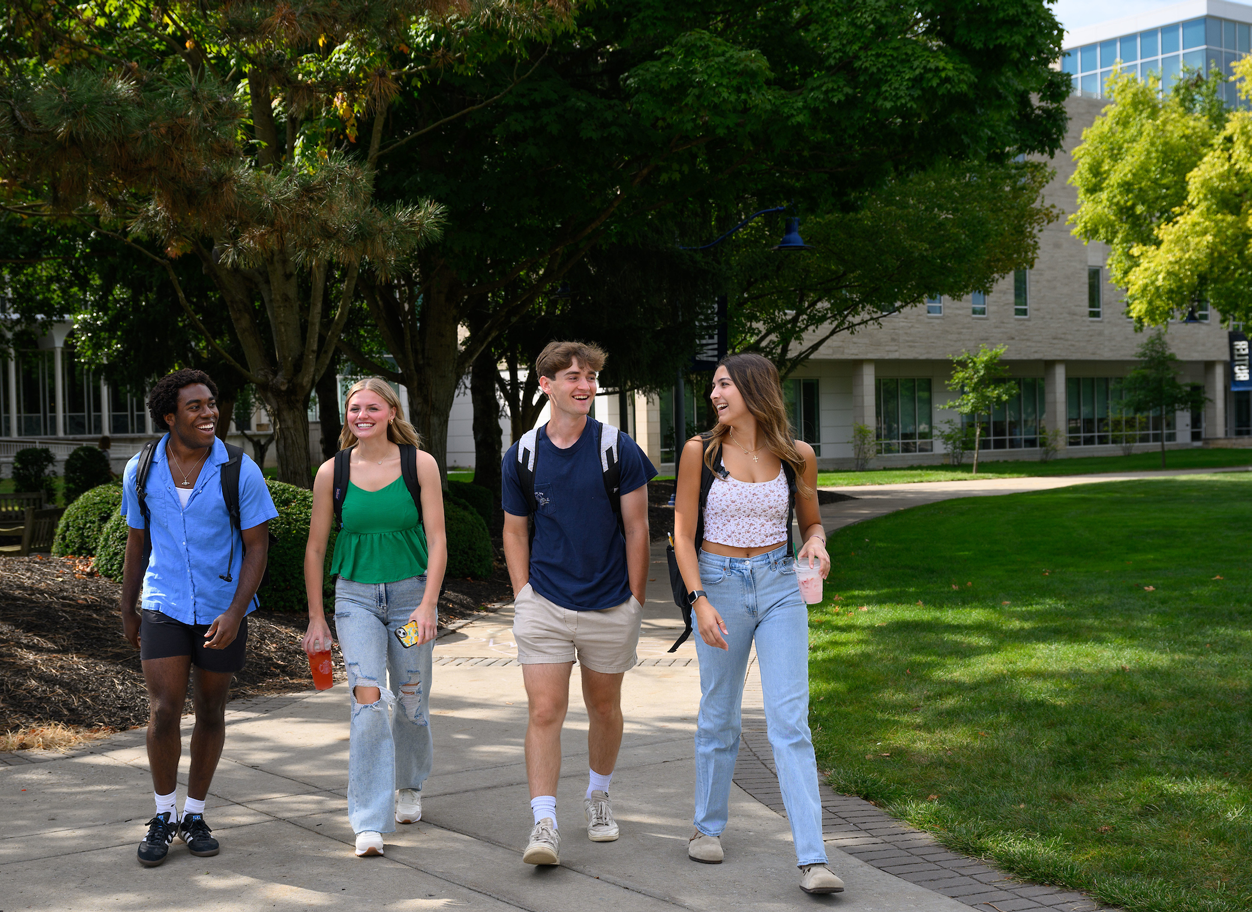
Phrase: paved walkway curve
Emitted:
{"points": [[69, 823]]}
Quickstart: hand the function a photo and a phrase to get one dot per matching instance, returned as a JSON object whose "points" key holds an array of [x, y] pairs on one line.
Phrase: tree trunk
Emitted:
{"points": [[435, 357], [289, 414], [328, 411], [225, 409], [977, 436], [488, 438]]}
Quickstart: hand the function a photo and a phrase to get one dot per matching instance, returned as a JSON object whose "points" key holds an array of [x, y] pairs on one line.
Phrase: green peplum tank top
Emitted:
{"points": [[381, 540]]}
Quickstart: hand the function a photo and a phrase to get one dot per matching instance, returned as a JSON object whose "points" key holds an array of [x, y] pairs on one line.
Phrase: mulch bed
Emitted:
{"points": [[63, 657]]}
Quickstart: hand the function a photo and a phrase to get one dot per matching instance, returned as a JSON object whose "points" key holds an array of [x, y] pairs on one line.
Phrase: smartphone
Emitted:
{"points": [[408, 635]]}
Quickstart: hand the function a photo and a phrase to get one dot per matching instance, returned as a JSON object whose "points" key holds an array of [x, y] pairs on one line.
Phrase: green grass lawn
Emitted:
{"points": [[1140, 462], [1057, 681]]}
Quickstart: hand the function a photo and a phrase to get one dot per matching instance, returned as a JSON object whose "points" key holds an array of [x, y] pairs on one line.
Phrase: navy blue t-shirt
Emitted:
{"points": [[578, 555]]}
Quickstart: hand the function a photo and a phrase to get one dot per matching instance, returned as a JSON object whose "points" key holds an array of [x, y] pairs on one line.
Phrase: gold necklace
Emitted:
{"points": [[185, 483], [746, 451]]}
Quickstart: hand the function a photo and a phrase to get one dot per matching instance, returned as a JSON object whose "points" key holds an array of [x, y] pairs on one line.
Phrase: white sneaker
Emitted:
{"points": [[408, 806], [369, 843], [544, 847], [601, 827]]}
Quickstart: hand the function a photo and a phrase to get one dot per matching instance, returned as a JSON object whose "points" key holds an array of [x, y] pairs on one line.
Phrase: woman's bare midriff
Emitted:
{"points": [[731, 551]]}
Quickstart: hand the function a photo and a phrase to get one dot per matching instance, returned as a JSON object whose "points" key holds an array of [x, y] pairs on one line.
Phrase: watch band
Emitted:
{"points": [[693, 596]]}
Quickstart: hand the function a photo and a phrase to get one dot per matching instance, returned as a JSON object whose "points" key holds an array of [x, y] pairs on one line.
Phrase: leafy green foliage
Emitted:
{"points": [[85, 468], [111, 548], [474, 496], [1152, 385], [82, 523], [285, 590], [978, 379], [469, 543], [32, 471], [1073, 707]]}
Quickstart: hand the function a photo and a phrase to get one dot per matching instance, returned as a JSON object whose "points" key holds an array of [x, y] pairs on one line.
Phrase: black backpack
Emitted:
{"points": [[230, 496], [607, 445], [677, 586], [408, 471]]}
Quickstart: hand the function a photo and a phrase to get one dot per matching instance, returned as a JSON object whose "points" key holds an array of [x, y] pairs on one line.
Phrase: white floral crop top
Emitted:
{"points": [[745, 514]]}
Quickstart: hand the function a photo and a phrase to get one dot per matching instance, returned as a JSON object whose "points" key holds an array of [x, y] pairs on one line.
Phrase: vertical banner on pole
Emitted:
{"points": [[1240, 366], [711, 347]]}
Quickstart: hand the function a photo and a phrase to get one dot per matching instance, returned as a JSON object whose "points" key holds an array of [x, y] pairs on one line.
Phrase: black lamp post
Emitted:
{"points": [[791, 241]]}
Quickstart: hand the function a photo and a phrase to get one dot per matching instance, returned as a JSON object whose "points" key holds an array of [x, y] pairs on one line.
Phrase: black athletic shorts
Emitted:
{"points": [[162, 637]]}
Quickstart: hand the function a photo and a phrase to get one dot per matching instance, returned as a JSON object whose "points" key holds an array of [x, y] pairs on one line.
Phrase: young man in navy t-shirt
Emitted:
{"points": [[579, 587]]}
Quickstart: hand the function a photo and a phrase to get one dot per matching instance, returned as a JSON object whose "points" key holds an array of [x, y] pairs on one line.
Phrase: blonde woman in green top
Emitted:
{"points": [[390, 562]]}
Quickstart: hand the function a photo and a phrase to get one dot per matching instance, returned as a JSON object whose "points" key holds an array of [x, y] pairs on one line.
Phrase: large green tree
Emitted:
{"points": [[698, 113], [229, 132], [1164, 180]]}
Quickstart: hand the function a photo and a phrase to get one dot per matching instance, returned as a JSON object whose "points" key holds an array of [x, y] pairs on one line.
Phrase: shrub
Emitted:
{"points": [[111, 548], [285, 590], [32, 471], [469, 544], [958, 438], [476, 497], [85, 468], [864, 445], [84, 520], [1050, 442]]}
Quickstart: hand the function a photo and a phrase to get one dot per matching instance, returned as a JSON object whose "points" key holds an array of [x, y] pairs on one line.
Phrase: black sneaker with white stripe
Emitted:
{"points": [[195, 832], [156, 844]]}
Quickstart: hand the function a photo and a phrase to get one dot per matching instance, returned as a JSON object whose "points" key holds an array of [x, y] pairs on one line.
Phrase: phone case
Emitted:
{"points": [[408, 634]]}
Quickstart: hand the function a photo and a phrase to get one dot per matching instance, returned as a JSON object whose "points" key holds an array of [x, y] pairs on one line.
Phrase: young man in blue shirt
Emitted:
{"points": [[579, 586], [198, 587]]}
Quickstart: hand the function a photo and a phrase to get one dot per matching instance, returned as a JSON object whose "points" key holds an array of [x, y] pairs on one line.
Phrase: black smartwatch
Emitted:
{"points": [[692, 596]]}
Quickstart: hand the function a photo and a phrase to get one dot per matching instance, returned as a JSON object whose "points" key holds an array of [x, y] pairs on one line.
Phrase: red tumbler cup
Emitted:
{"points": [[320, 665]]}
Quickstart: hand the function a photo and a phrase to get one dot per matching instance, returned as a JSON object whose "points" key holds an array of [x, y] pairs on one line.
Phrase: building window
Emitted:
{"points": [[1096, 417], [127, 412], [1015, 424], [1202, 310], [934, 306], [802, 409], [693, 418], [1095, 285], [978, 304], [35, 384], [1021, 299], [902, 409], [1242, 424], [83, 412]]}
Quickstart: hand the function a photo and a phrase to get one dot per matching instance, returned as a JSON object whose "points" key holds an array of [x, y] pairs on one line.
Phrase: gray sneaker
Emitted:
{"points": [[817, 878], [544, 847], [601, 827]]}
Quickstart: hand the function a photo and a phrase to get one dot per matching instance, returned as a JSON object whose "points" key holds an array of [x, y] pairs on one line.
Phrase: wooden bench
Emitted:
{"points": [[13, 506], [37, 530]]}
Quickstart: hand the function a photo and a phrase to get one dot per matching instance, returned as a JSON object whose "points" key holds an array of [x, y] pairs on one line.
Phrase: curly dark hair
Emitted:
{"points": [[163, 399]]}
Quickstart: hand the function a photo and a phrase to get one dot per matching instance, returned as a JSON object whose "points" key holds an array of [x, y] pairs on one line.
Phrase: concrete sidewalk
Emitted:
{"points": [[70, 824]]}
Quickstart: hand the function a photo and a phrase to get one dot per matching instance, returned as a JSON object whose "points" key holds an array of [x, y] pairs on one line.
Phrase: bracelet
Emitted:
{"points": [[821, 537]]}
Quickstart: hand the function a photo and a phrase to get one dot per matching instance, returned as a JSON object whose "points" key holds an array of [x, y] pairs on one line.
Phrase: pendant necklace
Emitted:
{"points": [[186, 475], [746, 451]]}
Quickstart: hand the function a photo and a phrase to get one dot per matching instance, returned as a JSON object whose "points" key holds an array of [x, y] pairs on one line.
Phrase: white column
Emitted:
{"points": [[104, 407], [13, 393], [147, 418], [864, 407], [648, 426], [1055, 407], [58, 387], [1215, 390]]}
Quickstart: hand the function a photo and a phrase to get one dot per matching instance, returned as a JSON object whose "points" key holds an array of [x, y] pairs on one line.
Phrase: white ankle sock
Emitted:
{"points": [[598, 782], [192, 806], [167, 803], [544, 806]]}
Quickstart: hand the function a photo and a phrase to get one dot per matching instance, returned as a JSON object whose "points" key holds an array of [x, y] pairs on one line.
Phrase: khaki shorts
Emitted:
{"points": [[603, 641]]}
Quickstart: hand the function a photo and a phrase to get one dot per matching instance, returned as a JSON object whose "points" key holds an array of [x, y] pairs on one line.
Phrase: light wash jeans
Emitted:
{"points": [[389, 745], [759, 599]]}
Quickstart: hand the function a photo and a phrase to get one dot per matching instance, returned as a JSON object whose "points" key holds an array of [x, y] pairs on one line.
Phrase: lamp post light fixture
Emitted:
{"points": [[791, 241]]}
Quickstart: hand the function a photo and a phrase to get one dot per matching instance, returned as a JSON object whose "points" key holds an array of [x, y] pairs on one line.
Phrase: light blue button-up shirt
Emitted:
{"points": [[191, 547]]}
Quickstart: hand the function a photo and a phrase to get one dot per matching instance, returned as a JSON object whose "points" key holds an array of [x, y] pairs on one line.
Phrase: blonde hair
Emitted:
{"points": [[757, 380], [398, 429]]}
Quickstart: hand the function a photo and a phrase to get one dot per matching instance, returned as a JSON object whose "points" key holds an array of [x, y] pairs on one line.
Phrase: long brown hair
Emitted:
{"points": [[757, 380], [398, 430]]}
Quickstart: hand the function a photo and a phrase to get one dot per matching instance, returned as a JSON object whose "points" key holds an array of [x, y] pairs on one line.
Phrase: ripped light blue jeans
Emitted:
{"points": [[759, 600], [389, 745]]}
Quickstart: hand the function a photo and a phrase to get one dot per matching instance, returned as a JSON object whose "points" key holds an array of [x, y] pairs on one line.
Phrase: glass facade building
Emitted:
{"points": [[1204, 43]]}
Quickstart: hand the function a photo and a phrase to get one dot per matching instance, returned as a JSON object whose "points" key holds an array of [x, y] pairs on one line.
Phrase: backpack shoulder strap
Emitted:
{"points": [[408, 470], [527, 449], [230, 483], [343, 469], [610, 465], [141, 492]]}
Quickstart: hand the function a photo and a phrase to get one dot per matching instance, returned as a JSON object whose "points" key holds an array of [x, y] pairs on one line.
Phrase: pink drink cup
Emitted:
{"points": [[810, 581]]}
